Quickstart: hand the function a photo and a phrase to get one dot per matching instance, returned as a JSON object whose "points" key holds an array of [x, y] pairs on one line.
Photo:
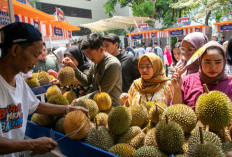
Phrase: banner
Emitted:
{"points": [[25, 2], [152, 35], [197, 29], [226, 27], [58, 31], [139, 36], [184, 21], [60, 15], [36, 25], [5, 19], [176, 33]]}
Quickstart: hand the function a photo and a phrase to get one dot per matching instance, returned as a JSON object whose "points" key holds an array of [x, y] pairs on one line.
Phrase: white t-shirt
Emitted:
{"points": [[16, 103]]}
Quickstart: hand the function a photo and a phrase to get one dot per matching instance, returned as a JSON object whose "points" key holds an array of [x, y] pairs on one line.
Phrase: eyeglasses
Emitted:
{"points": [[187, 50]]}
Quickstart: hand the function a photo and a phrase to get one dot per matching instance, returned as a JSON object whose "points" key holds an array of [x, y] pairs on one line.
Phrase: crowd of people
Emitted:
{"points": [[135, 75]]}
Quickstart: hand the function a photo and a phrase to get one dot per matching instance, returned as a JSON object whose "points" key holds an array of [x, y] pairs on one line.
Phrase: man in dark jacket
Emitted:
{"points": [[129, 63]]}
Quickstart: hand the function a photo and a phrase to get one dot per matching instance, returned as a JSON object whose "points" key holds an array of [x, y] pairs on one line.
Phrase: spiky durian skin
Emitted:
{"points": [[119, 120], [150, 138], [70, 96], [169, 137], [101, 119], [183, 115], [149, 151], [139, 115], [207, 136], [207, 149], [43, 78], [53, 90], [59, 126], [58, 99], [134, 137], [212, 109], [42, 120], [123, 150], [100, 138], [32, 82], [89, 104], [66, 76]]}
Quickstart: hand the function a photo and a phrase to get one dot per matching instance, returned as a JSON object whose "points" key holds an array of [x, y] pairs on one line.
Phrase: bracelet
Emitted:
{"points": [[67, 109]]}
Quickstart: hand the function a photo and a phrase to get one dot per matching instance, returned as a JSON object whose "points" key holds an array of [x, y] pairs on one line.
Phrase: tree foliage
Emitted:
{"points": [[205, 8]]}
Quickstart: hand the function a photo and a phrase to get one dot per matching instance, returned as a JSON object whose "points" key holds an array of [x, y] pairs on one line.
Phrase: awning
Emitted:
{"points": [[62, 24], [116, 22], [224, 26], [24, 10]]}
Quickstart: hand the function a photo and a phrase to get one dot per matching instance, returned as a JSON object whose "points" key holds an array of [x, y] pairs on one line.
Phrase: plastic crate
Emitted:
{"points": [[40, 91], [67, 146]]}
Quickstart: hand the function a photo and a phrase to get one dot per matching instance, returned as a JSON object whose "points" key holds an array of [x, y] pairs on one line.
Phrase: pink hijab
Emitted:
{"points": [[222, 75], [197, 39]]}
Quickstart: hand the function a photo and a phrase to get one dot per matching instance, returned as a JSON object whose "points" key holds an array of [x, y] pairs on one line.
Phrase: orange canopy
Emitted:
{"points": [[179, 28], [136, 33], [65, 25], [24, 10], [223, 23]]}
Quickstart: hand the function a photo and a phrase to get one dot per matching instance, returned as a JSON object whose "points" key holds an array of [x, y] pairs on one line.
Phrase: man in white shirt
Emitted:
{"points": [[21, 44]]}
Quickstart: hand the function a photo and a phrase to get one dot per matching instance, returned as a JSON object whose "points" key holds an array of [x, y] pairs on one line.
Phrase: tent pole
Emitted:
{"points": [[136, 25], [11, 11]]}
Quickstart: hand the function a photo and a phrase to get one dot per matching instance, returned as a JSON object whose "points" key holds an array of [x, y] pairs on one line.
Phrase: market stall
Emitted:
{"points": [[225, 28]]}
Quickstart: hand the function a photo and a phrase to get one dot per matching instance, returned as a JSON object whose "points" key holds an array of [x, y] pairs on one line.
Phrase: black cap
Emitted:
{"points": [[17, 33]]}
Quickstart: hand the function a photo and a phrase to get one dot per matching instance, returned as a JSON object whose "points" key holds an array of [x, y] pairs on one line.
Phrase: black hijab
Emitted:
{"points": [[229, 52], [79, 56]]}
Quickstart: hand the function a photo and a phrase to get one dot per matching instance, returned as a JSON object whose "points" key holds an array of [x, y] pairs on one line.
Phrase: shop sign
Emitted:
{"points": [[152, 35], [178, 32], [58, 31], [138, 36], [226, 27]]}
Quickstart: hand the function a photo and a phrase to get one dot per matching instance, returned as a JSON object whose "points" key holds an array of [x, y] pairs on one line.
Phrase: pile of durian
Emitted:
{"points": [[151, 130]]}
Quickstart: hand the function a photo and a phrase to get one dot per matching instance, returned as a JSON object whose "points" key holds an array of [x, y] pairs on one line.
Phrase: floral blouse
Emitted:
{"points": [[164, 95]]}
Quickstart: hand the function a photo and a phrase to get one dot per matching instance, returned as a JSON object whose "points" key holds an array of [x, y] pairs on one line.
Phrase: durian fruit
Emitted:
{"points": [[70, 96], [100, 137], [78, 122], [53, 90], [183, 115], [169, 136], [42, 120], [156, 112], [35, 75], [58, 99], [180, 155], [123, 150], [208, 137], [213, 109], [101, 119], [103, 100], [66, 76], [43, 78], [134, 137], [59, 125], [150, 139], [32, 82], [90, 105], [149, 151], [205, 148], [139, 115], [119, 120], [149, 104], [51, 77], [227, 146]]}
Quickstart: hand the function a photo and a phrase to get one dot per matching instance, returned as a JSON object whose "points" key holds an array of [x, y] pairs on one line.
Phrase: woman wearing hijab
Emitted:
{"points": [[78, 58], [212, 73], [190, 44], [153, 84], [228, 68]]}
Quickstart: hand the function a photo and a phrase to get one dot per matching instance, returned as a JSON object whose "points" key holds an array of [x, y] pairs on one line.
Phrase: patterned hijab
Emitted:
{"points": [[157, 81], [222, 75]]}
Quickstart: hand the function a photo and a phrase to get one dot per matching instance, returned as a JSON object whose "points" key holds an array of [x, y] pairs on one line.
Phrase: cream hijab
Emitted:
{"points": [[157, 81]]}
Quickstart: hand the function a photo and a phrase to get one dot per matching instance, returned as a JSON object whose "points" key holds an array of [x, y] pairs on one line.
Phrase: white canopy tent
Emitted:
{"points": [[116, 22]]}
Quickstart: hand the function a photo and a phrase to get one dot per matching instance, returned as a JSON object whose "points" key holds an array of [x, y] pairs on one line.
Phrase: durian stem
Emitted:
{"points": [[224, 135], [144, 129], [207, 128], [206, 88], [201, 135], [159, 106], [127, 104], [140, 100], [166, 118], [95, 120], [41, 69], [99, 87]]}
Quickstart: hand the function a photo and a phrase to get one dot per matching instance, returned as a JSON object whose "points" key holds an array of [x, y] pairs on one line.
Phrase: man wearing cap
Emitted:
{"points": [[129, 63], [21, 44], [105, 70]]}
